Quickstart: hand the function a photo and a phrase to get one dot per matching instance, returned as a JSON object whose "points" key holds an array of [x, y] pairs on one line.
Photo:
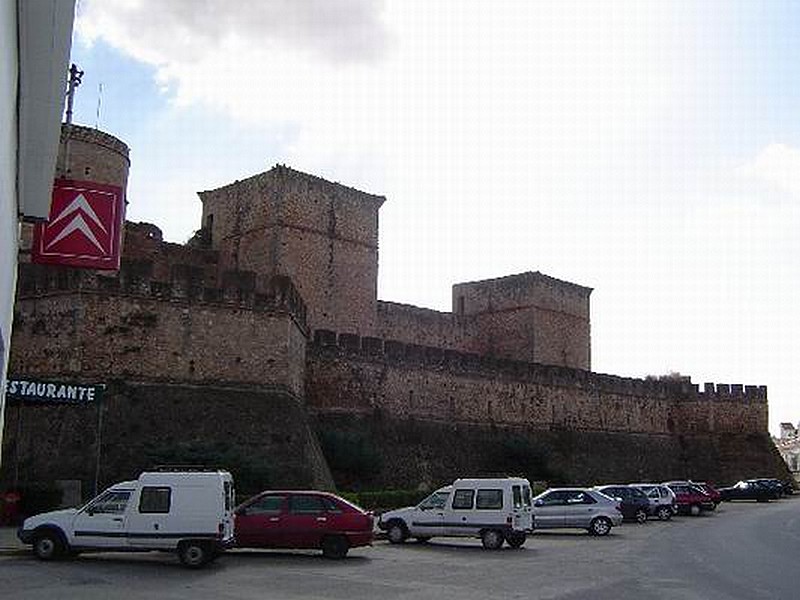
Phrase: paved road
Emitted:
{"points": [[745, 551]]}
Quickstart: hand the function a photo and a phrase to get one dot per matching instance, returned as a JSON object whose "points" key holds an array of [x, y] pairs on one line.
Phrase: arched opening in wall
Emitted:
{"points": [[670, 425]]}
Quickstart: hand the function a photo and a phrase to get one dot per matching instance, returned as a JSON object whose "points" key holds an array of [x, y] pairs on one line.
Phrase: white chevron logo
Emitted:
{"points": [[77, 208]]}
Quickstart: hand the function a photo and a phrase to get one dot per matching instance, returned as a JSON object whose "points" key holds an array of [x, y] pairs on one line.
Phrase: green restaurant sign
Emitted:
{"points": [[38, 391]]}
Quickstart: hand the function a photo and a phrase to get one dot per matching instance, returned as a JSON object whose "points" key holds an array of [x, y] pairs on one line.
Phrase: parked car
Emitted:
{"points": [[662, 500], [775, 485], [748, 490], [581, 508], [634, 503], [690, 499], [302, 520], [189, 512], [495, 510], [710, 490]]}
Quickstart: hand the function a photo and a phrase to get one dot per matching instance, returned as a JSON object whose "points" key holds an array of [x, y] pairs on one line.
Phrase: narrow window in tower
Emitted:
{"points": [[461, 305], [209, 226]]}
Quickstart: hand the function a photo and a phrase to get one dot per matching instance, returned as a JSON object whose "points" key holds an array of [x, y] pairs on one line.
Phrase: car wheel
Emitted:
{"points": [[664, 513], [193, 554], [516, 539], [640, 516], [492, 539], [694, 510], [397, 532], [600, 526], [48, 545], [335, 546]]}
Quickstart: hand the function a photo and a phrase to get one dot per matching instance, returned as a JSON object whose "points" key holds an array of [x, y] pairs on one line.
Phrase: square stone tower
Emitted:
{"points": [[530, 317], [323, 235]]}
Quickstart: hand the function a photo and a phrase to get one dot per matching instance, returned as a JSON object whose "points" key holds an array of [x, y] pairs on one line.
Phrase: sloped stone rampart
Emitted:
{"points": [[269, 427], [416, 453]]}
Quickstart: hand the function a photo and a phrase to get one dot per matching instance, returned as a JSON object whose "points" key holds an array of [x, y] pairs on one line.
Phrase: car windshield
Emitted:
{"points": [[435, 500], [111, 501]]}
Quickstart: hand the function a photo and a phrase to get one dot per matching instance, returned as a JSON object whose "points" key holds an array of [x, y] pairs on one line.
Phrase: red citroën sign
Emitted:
{"points": [[85, 226]]}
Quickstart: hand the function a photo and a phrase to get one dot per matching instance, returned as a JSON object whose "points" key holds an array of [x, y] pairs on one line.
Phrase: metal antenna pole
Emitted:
{"points": [[75, 76]]}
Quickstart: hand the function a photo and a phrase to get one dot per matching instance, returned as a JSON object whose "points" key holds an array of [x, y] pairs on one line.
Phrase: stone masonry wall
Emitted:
{"points": [[321, 234], [425, 327], [69, 323], [529, 317], [348, 374], [418, 453], [137, 425], [87, 154]]}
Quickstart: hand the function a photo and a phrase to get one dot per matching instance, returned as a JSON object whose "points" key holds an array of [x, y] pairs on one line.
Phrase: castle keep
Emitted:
{"points": [[263, 336]]}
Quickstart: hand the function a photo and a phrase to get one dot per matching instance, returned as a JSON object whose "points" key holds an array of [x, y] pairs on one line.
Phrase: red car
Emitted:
{"points": [[305, 520], [689, 498], [709, 489]]}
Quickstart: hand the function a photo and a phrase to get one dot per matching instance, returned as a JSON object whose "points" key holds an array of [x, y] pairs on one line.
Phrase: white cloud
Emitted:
{"points": [[166, 33], [777, 165]]}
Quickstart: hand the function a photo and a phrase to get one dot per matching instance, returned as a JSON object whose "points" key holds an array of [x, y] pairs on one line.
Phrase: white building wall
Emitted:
{"points": [[9, 222], [35, 39]]}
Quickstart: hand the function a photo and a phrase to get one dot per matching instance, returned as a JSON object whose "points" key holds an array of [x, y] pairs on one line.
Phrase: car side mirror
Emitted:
{"points": [[242, 512], [538, 503]]}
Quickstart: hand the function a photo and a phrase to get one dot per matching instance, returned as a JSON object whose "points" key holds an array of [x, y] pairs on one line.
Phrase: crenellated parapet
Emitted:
{"points": [[396, 352], [136, 279]]}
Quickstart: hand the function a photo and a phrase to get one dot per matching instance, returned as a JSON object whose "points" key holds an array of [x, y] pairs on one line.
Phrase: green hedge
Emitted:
{"points": [[385, 499]]}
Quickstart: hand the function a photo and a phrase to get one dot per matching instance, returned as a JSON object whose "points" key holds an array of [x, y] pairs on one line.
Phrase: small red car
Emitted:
{"points": [[709, 489], [689, 498], [304, 520]]}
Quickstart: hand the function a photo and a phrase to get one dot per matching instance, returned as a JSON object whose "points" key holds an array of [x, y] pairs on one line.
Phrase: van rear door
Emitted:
{"points": [[522, 509]]}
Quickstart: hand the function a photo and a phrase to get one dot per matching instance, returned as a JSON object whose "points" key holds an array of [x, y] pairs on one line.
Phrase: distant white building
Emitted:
{"points": [[35, 39], [789, 447]]}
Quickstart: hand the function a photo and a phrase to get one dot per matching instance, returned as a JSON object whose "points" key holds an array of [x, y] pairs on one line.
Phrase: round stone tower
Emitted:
{"points": [[87, 154]]}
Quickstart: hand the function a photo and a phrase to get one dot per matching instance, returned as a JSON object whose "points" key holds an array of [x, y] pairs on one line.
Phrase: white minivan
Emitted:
{"points": [[494, 510], [189, 512]]}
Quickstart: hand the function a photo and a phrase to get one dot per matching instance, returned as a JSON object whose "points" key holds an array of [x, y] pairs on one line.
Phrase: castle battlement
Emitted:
{"points": [[377, 349], [135, 280]]}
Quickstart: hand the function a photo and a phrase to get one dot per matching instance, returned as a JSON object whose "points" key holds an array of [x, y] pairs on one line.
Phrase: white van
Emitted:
{"points": [[495, 510], [190, 512]]}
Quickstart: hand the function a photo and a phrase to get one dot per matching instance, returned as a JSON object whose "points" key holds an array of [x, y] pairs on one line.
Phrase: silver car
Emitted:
{"points": [[662, 500], [576, 508]]}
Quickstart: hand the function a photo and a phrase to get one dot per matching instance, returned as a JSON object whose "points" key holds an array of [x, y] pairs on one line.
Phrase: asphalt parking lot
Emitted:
{"points": [[744, 550]]}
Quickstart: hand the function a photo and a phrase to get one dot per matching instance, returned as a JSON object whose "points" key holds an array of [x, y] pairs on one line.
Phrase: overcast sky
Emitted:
{"points": [[649, 150]]}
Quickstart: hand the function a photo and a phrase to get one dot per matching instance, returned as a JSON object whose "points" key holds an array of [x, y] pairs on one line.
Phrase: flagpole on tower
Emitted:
{"points": [[75, 76]]}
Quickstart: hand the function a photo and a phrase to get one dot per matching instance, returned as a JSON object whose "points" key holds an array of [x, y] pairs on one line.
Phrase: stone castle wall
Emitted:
{"points": [[426, 327], [362, 375], [138, 425], [75, 323], [529, 317], [208, 342]]}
